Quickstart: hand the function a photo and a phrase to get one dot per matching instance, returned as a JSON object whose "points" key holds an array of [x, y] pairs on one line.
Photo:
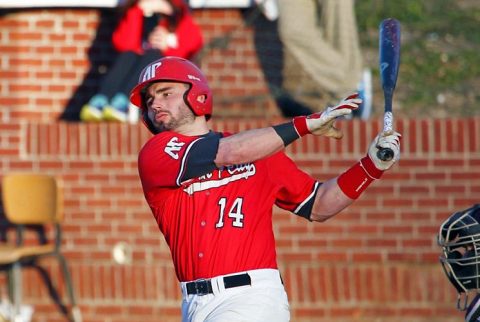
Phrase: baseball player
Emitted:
{"points": [[212, 193], [459, 237]]}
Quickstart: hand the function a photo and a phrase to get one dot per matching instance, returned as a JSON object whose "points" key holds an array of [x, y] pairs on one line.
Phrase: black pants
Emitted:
{"points": [[124, 73]]}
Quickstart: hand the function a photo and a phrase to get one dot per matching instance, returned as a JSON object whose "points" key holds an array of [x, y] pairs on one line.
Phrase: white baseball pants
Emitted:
{"points": [[265, 300]]}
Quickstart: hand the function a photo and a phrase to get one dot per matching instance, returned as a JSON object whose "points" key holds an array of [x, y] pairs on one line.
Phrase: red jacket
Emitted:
{"points": [[128, 34]]}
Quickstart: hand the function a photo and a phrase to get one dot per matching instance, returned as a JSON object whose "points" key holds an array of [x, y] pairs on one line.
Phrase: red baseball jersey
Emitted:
{"points": [[218, 221]]}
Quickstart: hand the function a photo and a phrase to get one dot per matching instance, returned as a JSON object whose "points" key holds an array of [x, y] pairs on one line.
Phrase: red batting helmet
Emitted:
{"points": [[174, 69]]}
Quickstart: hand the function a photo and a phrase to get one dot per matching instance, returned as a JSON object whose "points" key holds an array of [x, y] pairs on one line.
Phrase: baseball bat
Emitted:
{"points": [[389, 54]]}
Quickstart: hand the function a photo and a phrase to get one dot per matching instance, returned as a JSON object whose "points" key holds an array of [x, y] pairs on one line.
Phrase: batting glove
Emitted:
{"points": [[322, 123], [385, 140]]}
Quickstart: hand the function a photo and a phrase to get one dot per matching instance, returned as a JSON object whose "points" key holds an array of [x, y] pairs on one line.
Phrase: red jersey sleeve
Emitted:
{"points": [[161, 162], [297, 188], [168, 159], [127, 36]]}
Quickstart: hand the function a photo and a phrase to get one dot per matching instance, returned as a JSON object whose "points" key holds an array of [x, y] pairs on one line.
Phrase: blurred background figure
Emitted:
{"points": [[147, 31], [271, 56], [322, 38]]}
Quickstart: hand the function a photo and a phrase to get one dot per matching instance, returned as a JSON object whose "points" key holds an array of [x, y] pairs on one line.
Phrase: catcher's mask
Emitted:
{"points": [[459, 237]]}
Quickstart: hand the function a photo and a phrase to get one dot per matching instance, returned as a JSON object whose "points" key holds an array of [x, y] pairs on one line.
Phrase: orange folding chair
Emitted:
{"points": [[33, 200]]}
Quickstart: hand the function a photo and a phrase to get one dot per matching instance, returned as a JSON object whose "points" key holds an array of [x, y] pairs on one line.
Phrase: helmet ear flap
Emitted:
{"points": [[187, 96], [148, 123], [146, 120]]}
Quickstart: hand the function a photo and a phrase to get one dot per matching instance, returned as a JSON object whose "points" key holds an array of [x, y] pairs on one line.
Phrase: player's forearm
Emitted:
{"points": [[252, 145], [329, 201], [248, 146], [338, 193]]}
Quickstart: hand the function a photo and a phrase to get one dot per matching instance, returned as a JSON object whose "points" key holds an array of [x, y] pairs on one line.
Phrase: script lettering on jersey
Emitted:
{"points": [[220, 177], [241, 168], [173, 147], [206, 176]]}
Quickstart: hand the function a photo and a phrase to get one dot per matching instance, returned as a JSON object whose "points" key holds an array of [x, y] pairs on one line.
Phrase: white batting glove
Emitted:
{"points": [[385, 140], [322, 123]]}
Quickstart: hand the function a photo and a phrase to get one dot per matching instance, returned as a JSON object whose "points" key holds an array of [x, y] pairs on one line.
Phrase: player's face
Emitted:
{"points": [[166, 108]]}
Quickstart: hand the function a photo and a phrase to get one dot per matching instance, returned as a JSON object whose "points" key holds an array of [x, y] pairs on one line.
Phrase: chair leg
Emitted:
{"points": [[52, 291], [11, 294], [16, 289], [10, 284], [76, 315]]}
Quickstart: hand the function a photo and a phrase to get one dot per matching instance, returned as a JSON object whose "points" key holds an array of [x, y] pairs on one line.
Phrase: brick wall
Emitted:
{"points": [[376, 261]]}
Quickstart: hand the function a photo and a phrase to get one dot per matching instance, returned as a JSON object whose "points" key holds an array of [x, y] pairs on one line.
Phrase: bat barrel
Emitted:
{"points": [[388, 96], [389, 46]]}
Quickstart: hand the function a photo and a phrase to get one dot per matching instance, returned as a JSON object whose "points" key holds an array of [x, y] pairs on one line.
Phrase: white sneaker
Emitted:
{"points": [[90, 113], [269, 8], [113, 115]]}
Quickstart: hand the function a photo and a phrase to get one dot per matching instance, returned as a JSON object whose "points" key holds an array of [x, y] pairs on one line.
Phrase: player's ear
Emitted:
{"points": [[201, 98]]}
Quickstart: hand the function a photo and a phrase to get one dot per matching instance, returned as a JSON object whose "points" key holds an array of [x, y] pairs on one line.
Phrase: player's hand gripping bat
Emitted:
{"points": [[389, 54]]}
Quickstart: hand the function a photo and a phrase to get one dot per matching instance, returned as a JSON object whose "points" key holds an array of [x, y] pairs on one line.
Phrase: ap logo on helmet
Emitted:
{"points": [[149, 72]]}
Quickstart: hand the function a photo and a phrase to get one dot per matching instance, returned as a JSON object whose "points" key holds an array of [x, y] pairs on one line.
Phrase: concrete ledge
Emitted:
{"points": [[57, 3], [113, 3], [220, 3]]}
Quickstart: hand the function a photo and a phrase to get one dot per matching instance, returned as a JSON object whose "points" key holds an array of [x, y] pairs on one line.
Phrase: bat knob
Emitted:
{"points": [[385, 154]]}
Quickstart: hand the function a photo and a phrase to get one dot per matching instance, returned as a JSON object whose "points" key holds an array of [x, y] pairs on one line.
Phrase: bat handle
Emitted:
{"points": [[386, 154]]}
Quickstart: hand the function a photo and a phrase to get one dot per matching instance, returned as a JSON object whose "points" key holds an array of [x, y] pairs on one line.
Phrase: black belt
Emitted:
{"points": [[204, 286]]}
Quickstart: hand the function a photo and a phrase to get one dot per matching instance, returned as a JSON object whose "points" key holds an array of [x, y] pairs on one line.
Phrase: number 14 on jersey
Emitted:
{"points": [[235, 212]]}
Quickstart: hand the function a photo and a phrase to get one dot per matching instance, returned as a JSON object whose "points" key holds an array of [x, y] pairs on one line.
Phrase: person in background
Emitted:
{"points": [[147, 31], [322, 37]]}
